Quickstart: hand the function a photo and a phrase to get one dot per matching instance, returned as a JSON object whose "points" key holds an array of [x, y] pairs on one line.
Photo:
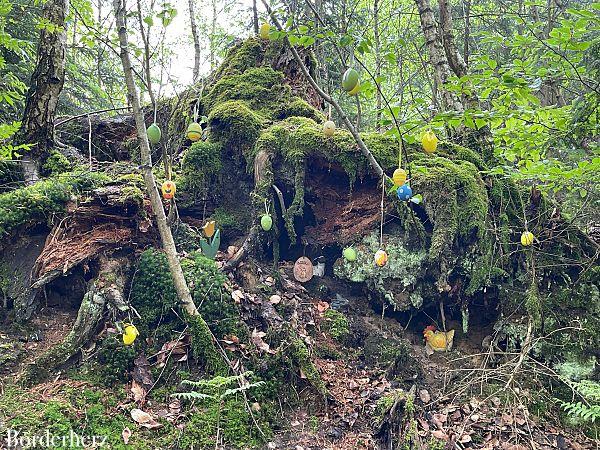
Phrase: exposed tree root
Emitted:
{"points": [[107, 289]]}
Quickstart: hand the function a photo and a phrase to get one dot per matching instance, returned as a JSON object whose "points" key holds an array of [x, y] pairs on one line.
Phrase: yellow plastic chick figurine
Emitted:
{"points": [[437, 341], [129, 334]]}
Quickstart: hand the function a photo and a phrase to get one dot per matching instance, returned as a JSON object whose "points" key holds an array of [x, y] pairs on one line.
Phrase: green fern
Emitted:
{"points": [[589, 409], [217, 388]]}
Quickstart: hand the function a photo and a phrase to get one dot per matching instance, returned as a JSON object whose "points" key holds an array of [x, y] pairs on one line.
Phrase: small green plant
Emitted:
{"points": [[336, 324], [218, 388], [211, 247], [587, 410]]}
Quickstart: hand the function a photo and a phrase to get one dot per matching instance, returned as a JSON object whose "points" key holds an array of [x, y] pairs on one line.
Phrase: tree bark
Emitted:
{"points": [[47, 80], [181, 287], [437, 56], [376, 6], [255, 17], [196, 38], [455, 59]]}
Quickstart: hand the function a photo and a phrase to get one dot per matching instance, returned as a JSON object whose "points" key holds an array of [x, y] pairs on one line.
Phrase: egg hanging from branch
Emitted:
{"points": [[349, 254], [429, 141], [399, 177], [404, 192], [194, 131], [154, 134], [265, 29], [350, 80], [329, 128], [168, 190], [381, 257], [356, 89], [266, 222], [130, 333], [527, 238]]}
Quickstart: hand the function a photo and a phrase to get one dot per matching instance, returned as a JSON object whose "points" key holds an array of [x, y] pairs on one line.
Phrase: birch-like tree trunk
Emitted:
{"points": [[196, 38], [455, 59], [181, 287], [437, 56], [47, 80]]}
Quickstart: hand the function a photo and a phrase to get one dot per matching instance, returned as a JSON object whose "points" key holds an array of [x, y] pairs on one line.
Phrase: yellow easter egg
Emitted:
{"points": [[381, 258], [130, 334], [399, 177], [527, 238], [429, 141], [265, 28], [329, 128], [356, 89]]}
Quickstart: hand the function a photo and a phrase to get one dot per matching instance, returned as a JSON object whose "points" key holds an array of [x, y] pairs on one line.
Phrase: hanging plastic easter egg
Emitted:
{"points": [[417, 199], [129, 334], [168, 190], [399, 177], [153, 133], [527, 238], [265, 28], [194, 131], [266, 222], [381, 258], [350, 79], [349, 254], [404, 192], [356, 89], [429, 141], [209, 229], [329, 128]]}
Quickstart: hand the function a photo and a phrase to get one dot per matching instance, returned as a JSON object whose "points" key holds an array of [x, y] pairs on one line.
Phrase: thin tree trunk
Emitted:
{"points": [[47, 80], [466, 49], [192, 10], [255, 16], [376, 6], [455, 59], [181, 287], [437, 56], [213, 32]]}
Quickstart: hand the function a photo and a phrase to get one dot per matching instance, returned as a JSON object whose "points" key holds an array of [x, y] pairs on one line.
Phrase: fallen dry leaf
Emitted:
{"points": [[144, 419], [126, 434], [138, 391], [257, 339], [237, 296]]}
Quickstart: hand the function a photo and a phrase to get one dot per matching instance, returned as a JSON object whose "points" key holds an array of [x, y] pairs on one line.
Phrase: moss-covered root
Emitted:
{"points": [[107, 288], [301, 357], [394, 419], [203, 346]]}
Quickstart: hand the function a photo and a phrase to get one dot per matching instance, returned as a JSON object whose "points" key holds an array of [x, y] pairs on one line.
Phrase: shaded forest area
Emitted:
{"points": [[361, 225]]}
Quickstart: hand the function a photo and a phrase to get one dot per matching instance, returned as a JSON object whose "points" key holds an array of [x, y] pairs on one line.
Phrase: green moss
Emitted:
{"points": [[115, 360], [300, 355], [241, 57], [336, 324], [56, 163], [228, 218], [404, 267], [234, 123], [39, 201], [201, 163]]}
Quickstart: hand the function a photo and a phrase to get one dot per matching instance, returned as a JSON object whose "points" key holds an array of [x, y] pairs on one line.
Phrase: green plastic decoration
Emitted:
{"points": [[350, 79], [153, 133], [210, 248]]}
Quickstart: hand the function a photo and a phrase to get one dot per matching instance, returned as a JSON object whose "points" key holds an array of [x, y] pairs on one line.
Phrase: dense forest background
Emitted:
{"points": [[88, 247]]}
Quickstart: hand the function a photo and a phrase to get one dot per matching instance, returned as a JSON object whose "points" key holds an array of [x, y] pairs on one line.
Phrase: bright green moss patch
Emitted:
{"points": [[56, 163], [234, 123], [336, 324], [44, 198]]}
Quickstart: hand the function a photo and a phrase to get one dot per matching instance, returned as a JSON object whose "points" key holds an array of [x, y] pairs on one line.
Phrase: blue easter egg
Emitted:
{"points": [[404, 192]]}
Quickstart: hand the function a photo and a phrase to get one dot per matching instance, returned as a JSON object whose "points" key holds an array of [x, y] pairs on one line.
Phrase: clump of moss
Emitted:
{"points": [[336, 324], [116, 361], [56, 163], [44, 198], [201, 163], [234, 123], [404, 267], [154, 297]]}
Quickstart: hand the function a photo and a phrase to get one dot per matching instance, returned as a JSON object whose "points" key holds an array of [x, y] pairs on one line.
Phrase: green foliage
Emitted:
{"points": [[221, 407], [587, 410], [201, 163], [234, 123]]}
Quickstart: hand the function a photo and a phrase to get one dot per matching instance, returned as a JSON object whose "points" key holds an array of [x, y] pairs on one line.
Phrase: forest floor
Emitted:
{"points": [[439, 401]]}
